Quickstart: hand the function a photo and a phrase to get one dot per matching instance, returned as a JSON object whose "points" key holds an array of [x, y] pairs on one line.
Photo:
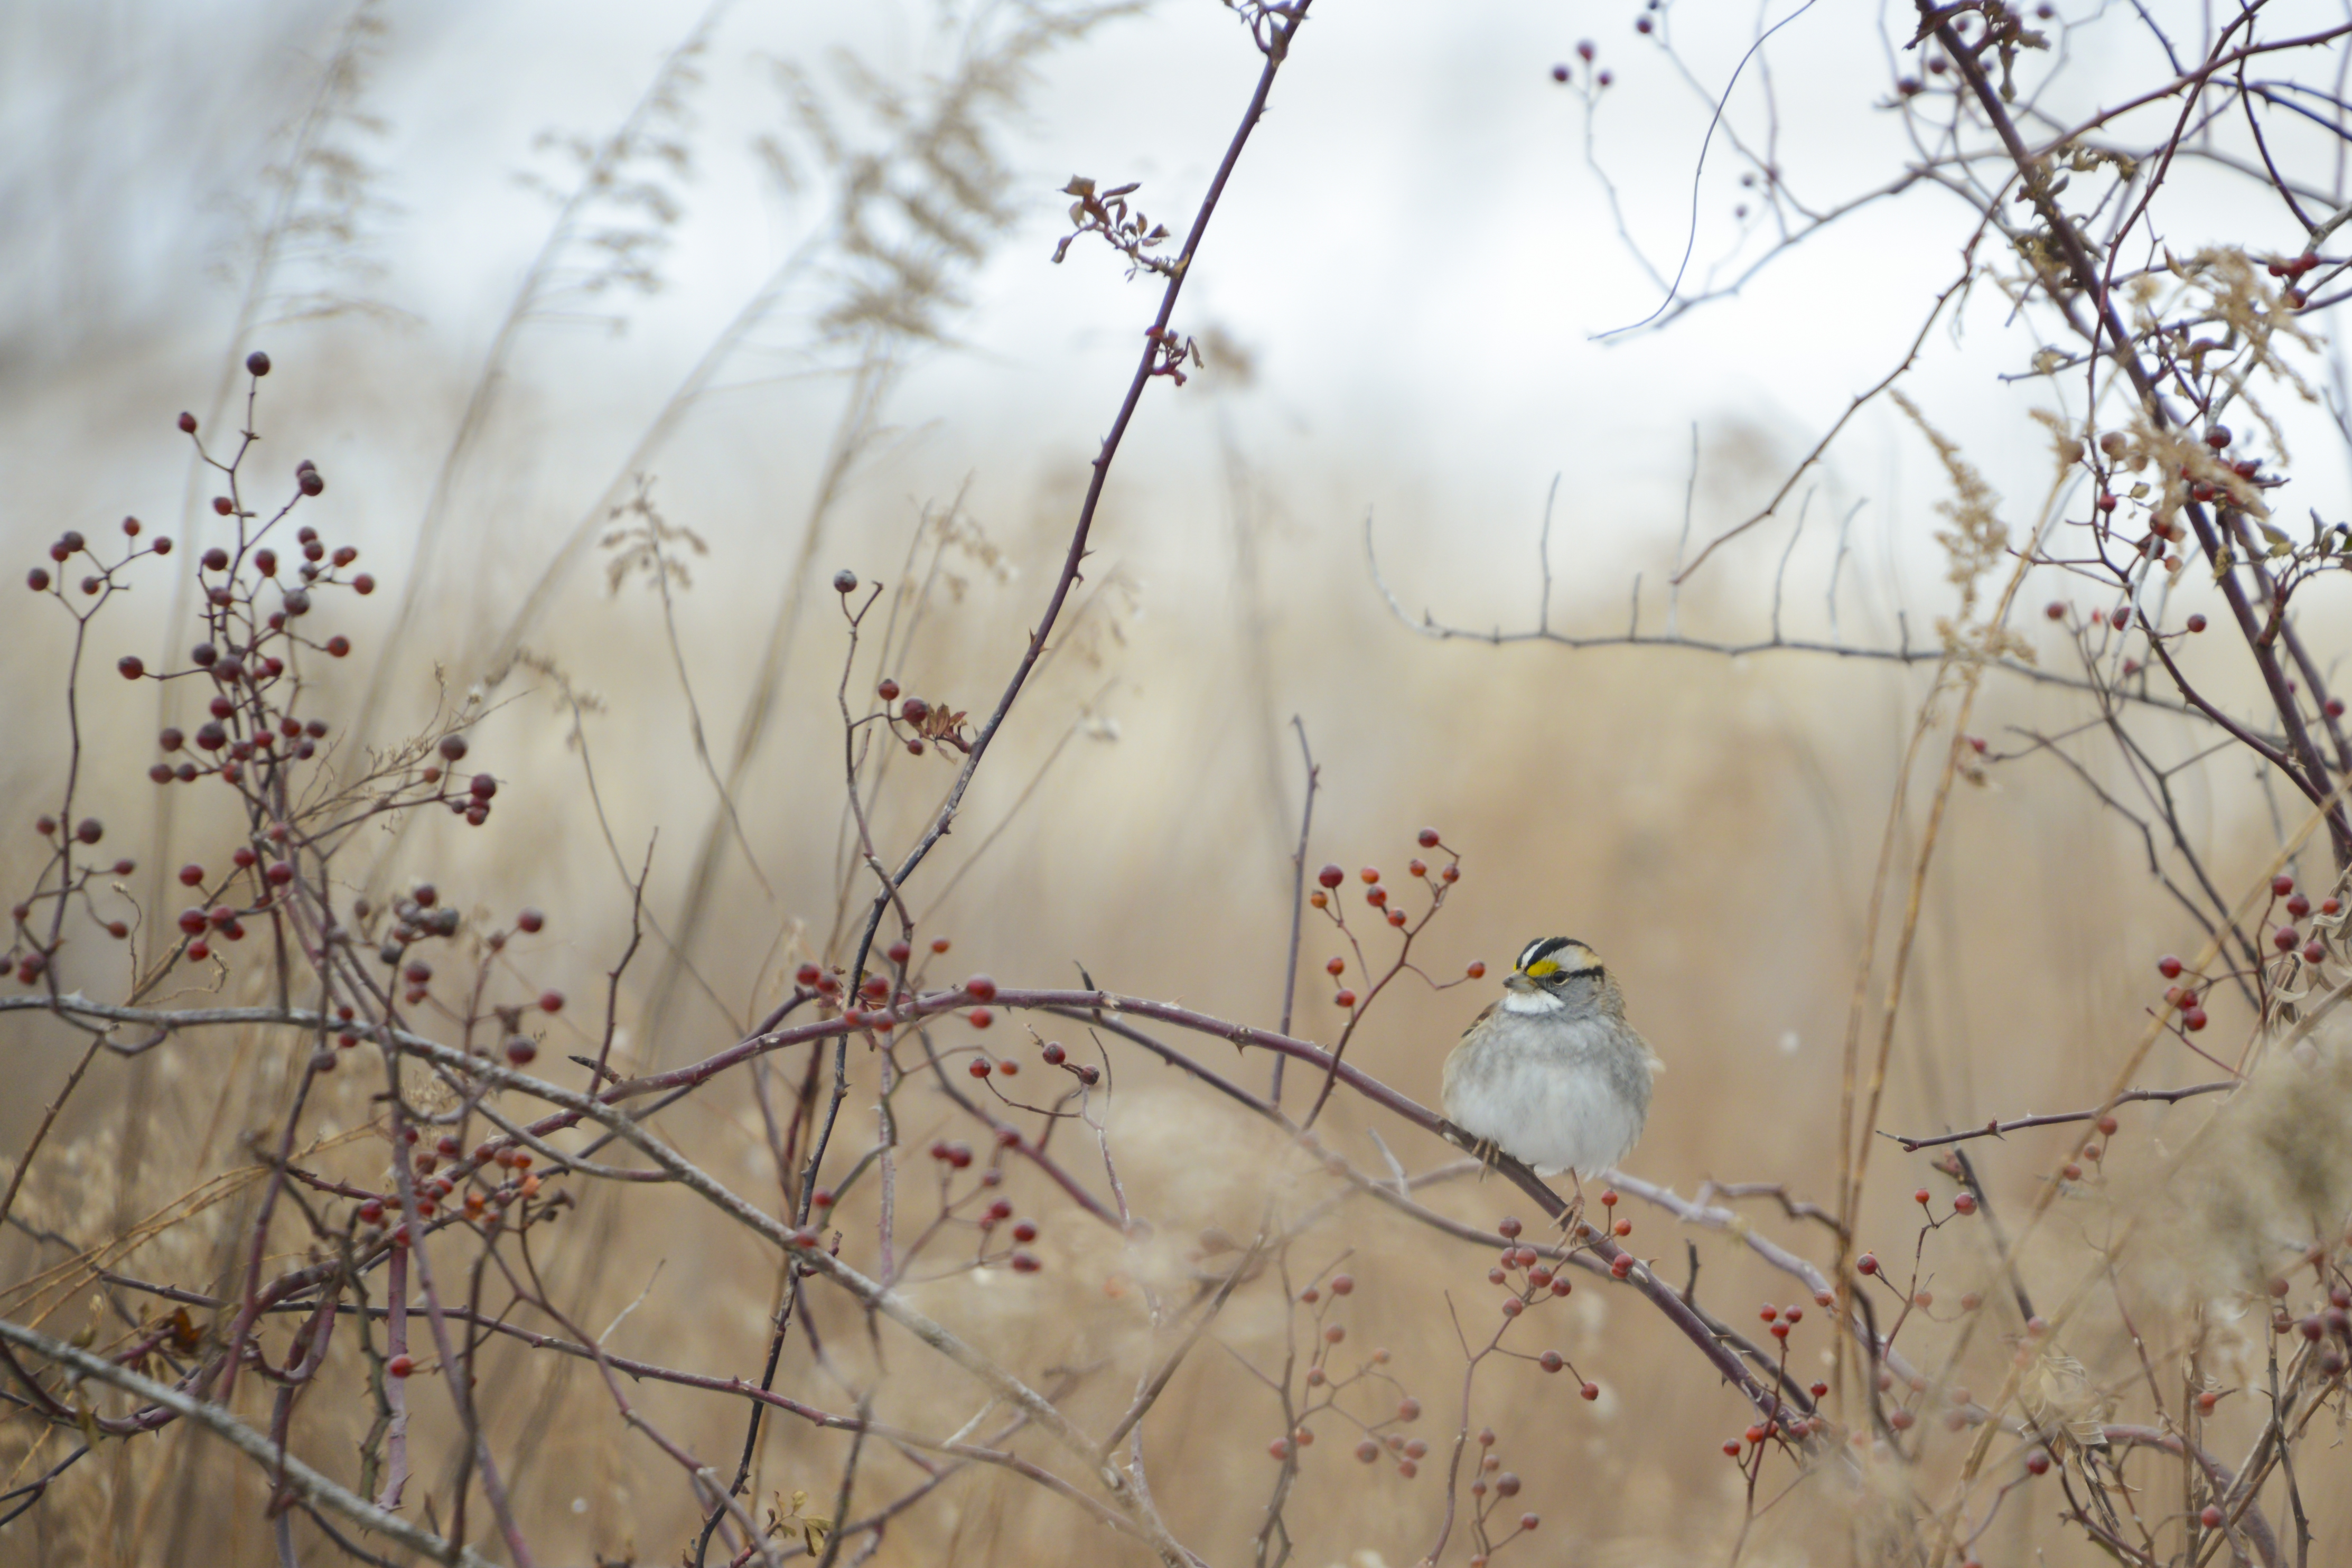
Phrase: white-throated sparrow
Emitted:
{"points": [[1552, 1074]]}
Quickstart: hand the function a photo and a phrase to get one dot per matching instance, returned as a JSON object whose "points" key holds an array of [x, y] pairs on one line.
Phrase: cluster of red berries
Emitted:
{"points": [[481, 1195], [1376, 894], [929, 722], [1530, 1280], [2293, 271], [2297, 907], [953, 1155], [1491, 1488], [72, 543], [1326, 1385], [1586, 52], [29, 954]]}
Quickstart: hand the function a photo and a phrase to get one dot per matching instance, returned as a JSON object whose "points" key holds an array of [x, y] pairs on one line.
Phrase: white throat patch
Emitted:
{"points": [[1538, 1001]]}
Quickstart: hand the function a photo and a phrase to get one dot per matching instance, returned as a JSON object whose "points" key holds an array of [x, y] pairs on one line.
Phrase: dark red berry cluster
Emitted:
{"points": [[1334, 1393], [981, 1207]]}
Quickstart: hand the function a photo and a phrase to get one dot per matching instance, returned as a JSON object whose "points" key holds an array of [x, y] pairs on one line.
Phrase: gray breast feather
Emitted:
{"points": [[1559, 1094]]}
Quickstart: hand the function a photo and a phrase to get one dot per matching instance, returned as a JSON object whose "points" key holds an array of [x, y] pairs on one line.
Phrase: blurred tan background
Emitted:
{"points": [[1397, 304]]}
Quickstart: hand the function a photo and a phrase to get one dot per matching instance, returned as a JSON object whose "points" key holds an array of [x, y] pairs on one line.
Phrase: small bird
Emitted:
{"points": [[1552, 1074]]}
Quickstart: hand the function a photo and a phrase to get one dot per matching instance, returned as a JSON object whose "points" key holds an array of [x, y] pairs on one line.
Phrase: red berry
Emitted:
{"points": [[2038, 1462], [845, 581], [1427, 839], [2284, 938], [1866, 1264], [981, 988], [2168, 966], [981, 1018], [1343, 998], [2281, 885], [1922, 1197], [2312, 952], [1559, 73], [2054, 610], [550, 1001], [363, 584], [1966, 1203], [2196, 623], [980, 1068], [522, 1051], [2193, 1019], [400, 1365], [1477, 970], [1335, 967], [2211, 1517], [888, 690], [1054, 1053]]}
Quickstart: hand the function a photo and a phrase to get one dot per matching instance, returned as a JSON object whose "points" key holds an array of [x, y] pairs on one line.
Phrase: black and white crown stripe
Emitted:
{"points": [[1543, 948]]}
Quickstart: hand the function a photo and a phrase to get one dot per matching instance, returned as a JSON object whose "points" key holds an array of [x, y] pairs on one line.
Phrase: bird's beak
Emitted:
{"points": [[1515, 981]]}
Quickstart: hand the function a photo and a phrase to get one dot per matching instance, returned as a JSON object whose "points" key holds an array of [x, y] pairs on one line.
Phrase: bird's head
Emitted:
{"points": [[1552, 973]]}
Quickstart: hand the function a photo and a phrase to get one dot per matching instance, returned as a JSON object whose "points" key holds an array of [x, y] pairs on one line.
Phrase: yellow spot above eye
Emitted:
{"points": [[1541, 967]]}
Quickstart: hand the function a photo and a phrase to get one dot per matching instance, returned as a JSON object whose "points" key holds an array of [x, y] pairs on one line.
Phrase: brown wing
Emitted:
{"points": [[1480, 1020]]}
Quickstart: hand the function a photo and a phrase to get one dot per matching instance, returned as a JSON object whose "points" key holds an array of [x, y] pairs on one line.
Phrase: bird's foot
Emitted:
{"points": [[1571, 1218]]}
